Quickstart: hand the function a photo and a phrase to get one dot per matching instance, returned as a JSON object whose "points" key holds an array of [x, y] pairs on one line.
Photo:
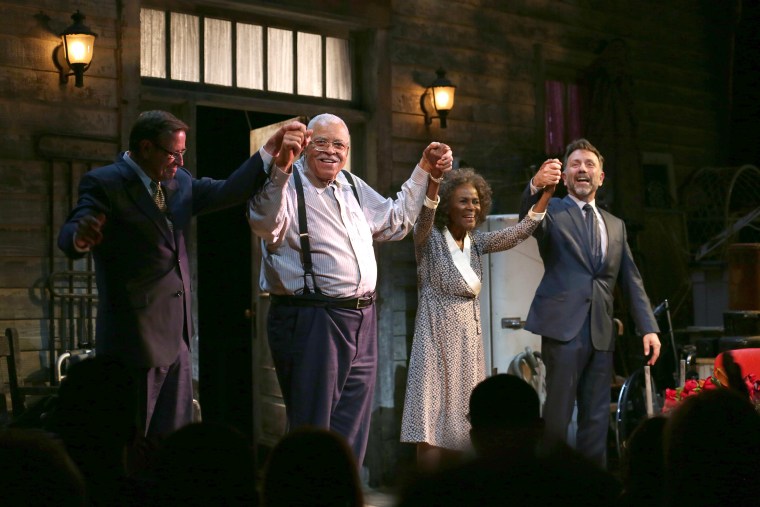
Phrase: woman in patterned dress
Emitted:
{"points": [[447, 359]]}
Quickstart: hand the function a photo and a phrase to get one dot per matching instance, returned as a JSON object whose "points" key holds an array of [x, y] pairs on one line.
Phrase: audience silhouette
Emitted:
{"points": [[505, 414], [642, 465], [204, 464], [711, 443], [35, 471], [702, 455], [95, 416], [311, 467], [513, 464]]}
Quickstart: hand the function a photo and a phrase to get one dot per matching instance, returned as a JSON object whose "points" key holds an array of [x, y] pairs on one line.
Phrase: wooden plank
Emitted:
{"points": [[27, 272], [78, 148], [32, 333], [31, 210], [23, 303], [42, 117], [24, 176], [27, 242], [34, 367]]}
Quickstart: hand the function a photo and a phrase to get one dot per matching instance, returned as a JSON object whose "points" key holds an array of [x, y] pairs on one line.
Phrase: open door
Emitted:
{"points": [[226, 282]]}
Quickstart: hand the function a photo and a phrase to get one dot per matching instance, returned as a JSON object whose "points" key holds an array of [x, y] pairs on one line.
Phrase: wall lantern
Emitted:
{"points": [[77, 45], [441, 94]]}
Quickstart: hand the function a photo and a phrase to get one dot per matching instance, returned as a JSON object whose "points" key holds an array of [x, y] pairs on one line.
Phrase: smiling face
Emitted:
{"points": [[155, 158], [583, 174], [464, 209], [326, 161]]}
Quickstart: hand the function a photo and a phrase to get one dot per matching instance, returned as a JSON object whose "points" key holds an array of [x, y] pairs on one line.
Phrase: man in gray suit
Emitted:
{"points": [[585, 253], [134, 215]]}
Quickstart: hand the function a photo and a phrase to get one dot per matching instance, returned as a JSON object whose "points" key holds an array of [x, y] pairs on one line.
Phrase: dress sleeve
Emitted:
{"points": [[508, 237]]}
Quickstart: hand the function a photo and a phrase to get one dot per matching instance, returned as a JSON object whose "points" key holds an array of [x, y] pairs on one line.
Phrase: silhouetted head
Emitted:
{"points": [[205, 464], [712, 441], [505, 412], [36, 471], [313, 467]]}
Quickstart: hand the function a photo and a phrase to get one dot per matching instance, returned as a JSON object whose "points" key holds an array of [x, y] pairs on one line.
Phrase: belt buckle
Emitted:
{"points": [[363, 302]]}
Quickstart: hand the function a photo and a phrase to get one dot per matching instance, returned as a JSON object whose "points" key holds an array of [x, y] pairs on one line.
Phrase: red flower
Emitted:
{"points": [[710, 384], [673, 397]]}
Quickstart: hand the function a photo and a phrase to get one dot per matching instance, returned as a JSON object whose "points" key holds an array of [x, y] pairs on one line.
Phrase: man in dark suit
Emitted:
{"points": [[572, 307], [134, 215]]}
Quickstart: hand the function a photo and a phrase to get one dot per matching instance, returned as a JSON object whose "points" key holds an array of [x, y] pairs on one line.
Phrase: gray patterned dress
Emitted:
{"points": [[447, 359]]}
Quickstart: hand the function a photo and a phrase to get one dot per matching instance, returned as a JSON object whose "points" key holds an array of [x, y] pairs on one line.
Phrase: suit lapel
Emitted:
{"points": [[139, 194]]}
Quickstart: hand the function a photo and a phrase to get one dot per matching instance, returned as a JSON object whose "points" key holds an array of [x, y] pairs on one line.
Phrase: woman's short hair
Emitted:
{"points": [[455, 179]]}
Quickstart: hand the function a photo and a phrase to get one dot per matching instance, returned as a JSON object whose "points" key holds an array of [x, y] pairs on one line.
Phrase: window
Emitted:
{"points": [[244, 55]]}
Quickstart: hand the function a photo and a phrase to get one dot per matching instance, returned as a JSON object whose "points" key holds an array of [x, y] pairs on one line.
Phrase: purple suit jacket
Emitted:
{"points": [[141, 266]]}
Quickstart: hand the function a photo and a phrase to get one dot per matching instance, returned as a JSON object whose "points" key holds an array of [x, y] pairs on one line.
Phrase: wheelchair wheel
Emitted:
{"points": [[632, 408]]}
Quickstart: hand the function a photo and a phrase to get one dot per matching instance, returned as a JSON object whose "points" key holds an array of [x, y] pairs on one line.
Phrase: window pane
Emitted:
{"points": [[217, 52], [185, 52], [309, 64], [279, 60], [152, 43], [338, 69], [250, 56]]}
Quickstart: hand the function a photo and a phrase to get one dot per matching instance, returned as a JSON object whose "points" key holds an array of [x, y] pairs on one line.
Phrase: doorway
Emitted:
{"points": [[225, 282]]}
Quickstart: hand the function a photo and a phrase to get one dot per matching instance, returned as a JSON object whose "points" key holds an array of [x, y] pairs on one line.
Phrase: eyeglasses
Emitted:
{"points": [[324, 145], [176, 155]]}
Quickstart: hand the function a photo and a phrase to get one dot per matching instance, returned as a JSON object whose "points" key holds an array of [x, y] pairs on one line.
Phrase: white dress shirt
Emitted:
{"points": [[341, 231]]}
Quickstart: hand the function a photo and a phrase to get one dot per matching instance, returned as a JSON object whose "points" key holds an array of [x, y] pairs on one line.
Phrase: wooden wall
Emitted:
{"points": [[50, 133]]}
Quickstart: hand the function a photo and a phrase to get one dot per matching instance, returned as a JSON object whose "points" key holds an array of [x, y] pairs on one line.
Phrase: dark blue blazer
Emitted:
{"points": [[570, 286], [142, 266]]}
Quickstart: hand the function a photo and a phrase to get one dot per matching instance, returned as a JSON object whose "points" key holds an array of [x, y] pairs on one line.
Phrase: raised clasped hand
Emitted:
{"points": [[549, 174], [288, 143], [437, 159]]}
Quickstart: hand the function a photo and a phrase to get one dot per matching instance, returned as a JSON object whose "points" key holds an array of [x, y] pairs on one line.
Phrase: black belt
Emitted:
{"points": [[323, 301]]}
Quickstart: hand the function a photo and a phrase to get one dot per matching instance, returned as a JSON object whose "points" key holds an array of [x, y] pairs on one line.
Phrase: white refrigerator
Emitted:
{"points": [[509, 282]]}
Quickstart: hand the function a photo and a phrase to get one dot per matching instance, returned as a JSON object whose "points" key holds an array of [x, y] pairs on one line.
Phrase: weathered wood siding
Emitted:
{"points": [[50, 133]]}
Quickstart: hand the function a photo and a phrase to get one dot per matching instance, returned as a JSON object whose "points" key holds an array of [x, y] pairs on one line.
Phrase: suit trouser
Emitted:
{"points": [[326, 362], [577, 371], [167, 396]]}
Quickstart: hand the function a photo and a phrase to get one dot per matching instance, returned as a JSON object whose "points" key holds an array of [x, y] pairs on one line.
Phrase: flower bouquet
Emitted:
{"points": [[673, 397]]}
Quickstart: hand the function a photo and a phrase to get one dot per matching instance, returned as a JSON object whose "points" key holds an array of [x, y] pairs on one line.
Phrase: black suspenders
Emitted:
{"points": [[303, 232]]}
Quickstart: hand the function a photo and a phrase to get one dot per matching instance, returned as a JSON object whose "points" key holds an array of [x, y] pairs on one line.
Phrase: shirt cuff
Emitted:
{"points": [[429, 203], [535, 215], [278, 176], [266, 158], [534, 189]]}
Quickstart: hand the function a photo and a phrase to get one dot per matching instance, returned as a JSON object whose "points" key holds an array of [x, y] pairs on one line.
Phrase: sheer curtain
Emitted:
{"points": [[338, 69], [280, 60], [324, 63], [217, 52], [250, 56], [309, 64], [185, 48], [152, 43]]}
